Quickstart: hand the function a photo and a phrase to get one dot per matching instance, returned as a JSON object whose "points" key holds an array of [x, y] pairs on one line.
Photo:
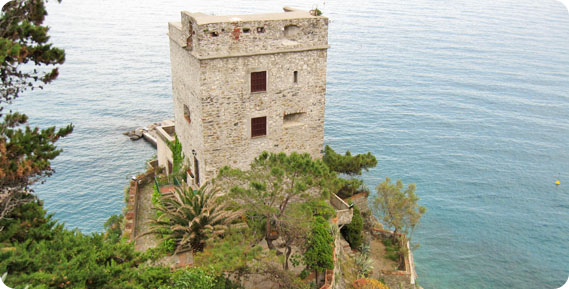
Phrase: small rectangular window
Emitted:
{"points": [[260, 29], [258, 126], [258, 81], [296, 77], [187, 114]]}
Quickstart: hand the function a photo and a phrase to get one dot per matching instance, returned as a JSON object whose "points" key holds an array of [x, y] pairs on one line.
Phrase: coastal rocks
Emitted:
{"points": [[134, 134], [148, 132]]}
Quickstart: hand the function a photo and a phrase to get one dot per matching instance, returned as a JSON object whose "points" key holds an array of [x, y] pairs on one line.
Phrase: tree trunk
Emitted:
{"points": [[270, 243], [287, 256], [268, 234], [316, 276], [395, 235]]}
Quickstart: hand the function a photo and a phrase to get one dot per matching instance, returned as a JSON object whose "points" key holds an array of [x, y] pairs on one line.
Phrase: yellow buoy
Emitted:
{"points": [[558, 182]]}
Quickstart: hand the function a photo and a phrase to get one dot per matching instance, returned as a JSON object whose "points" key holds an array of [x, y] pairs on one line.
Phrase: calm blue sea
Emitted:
{"points": [[467, 99]]}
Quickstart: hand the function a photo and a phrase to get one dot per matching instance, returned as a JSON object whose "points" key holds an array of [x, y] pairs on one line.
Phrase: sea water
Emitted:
{"points": [[467, 99]]}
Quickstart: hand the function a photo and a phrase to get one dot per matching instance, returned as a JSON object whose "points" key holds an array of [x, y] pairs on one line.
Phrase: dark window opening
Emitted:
{"points": [[170, 167], [258, 81], [246, 30], [258, 126], [296, 77], [260, 29], [187, 114], [189, 175], [214, 34], [197, 171]]}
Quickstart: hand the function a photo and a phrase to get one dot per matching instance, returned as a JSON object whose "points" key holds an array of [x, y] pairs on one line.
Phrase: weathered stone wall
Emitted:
{"points": [[360, 200], [211, 75], [222, 36], [405, 279], [344, 213], [396, 280], [228, 106], [132, 204], [164, 154], [186, 91], [130, 214]]}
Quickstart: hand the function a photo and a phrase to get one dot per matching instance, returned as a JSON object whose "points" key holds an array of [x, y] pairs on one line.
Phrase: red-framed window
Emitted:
{"points": [[258, 81], [258, 126]]}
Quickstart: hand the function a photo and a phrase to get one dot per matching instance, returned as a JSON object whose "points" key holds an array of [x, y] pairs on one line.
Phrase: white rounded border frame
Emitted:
{"points": [[565, 286]]}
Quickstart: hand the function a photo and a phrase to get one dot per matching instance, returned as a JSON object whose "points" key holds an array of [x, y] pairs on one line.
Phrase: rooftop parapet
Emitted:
{"points": [[206, 36]]}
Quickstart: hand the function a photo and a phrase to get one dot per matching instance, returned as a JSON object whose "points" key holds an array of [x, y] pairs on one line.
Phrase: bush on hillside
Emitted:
{"points": [[43, 254], [352, 232]]}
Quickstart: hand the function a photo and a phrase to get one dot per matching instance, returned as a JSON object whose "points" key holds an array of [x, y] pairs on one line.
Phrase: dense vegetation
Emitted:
{"points": [[26, 57], [38, 251], [351, 166], [267, 190], [353, 232], [319, 254]]}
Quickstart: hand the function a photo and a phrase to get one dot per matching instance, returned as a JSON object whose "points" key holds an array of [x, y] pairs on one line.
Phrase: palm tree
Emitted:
{"points": [[190, 217]]}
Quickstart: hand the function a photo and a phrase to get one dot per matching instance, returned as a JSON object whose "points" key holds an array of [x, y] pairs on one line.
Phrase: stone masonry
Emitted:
{"points": [[245, 84]]}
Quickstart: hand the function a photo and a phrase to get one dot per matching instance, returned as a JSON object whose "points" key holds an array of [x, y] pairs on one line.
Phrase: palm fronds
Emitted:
{"points": [[190, 218]]}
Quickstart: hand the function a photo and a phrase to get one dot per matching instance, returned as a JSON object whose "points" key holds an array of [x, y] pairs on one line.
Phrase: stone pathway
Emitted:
{"points": [[380, 262], [145, 212]]}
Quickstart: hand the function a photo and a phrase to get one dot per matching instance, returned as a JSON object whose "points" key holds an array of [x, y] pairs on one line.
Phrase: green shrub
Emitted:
{"points": [[200, 278], [167, 246], [304, 274], [44, 254], [350, 187], [155, 194], [348, 164], [392, 250], [113, 228], [319, 208], [320, 254], [352, 232], [27, 221], [194, 278]]}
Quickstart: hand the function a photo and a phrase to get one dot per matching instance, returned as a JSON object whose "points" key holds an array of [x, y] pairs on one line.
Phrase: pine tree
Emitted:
{"points": [[351, 166], [273, 183], [23, 40], [348, 164], [26, 57]]}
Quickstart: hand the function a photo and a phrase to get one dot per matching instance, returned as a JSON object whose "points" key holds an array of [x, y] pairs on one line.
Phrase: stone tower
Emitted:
{"points": [[244, 84]]}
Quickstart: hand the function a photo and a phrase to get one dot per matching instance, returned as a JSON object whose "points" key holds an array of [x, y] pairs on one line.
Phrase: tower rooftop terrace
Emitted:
{"points": [[210, 37], [288, 14]]}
